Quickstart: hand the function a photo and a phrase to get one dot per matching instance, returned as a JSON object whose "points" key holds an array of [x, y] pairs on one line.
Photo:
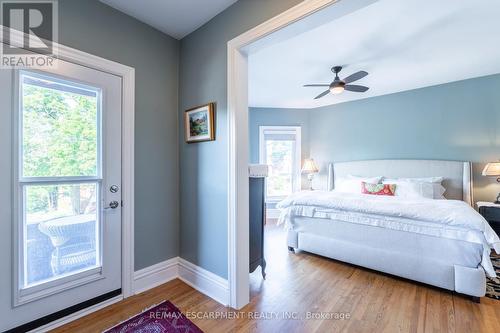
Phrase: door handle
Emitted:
{"points": [[113, 205]]}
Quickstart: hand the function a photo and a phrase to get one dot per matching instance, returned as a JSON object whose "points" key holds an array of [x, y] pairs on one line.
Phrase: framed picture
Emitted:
{"points": [[199, 123]]}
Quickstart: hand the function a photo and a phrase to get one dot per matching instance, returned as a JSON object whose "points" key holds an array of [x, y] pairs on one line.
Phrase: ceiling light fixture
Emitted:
{"points": [[337, 87]]}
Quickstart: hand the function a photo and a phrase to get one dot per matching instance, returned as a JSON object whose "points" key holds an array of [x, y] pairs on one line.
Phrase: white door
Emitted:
{"points": [[60, 190]]}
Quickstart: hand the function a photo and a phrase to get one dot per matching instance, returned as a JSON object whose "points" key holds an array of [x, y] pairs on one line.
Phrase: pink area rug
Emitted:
{"points": [[161, 318]]}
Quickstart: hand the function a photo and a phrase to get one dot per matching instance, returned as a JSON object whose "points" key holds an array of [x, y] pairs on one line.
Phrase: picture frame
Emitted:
{"points": [[199, 123]]}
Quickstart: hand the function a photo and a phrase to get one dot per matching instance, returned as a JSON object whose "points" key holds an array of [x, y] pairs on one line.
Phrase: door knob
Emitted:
{"points": [[113, 205]]}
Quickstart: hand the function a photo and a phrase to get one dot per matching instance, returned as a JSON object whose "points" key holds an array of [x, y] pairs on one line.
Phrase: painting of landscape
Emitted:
{"points": [[199, 123]]}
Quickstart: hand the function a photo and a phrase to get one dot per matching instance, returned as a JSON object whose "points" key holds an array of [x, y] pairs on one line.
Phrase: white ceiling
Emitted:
{"points": [[176, 18], [402, 44]]}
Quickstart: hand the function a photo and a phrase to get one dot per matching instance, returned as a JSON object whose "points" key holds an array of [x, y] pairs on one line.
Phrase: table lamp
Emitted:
{"points": [[492, 169], [309, 168]]}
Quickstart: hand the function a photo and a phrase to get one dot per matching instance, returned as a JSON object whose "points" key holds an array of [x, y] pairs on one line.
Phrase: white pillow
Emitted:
{"points": [[411, 190], [429, 187], [352, 184], [438, 191], [437, 180]]}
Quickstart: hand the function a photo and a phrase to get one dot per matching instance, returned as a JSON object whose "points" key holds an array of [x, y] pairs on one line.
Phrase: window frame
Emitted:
{"points": [[24, 294], [296, 167]]}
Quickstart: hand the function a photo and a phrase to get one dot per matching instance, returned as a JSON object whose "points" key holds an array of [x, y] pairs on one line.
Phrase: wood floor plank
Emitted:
{"points": [[301, 283]]}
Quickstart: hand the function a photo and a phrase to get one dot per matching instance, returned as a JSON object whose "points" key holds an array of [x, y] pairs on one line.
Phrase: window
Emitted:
{"points": [[279, 148], [58, 182]]}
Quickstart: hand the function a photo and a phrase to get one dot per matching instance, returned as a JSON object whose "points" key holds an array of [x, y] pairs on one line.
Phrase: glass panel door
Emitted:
{"points": [[60, 230], [60, 169]]}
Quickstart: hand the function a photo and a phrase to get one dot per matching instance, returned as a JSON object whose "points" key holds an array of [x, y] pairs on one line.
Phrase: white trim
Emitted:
{"points": [[128, 118], [199, 278], [72, 317], [204, 281], [238, 187], [128, 181], [237, 102], [153, 276]]}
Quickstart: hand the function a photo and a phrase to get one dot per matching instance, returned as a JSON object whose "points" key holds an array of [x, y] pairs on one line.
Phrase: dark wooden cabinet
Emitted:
{"points": [[492, 215], [257, 218]]}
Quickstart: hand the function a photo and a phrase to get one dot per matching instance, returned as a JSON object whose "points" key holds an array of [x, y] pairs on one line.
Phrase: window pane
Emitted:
{"points": [[61, 224], [60, 129], [279, 156]]}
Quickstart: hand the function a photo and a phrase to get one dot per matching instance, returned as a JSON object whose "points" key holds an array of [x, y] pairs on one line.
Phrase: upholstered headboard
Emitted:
{"points": [[457, 175]]}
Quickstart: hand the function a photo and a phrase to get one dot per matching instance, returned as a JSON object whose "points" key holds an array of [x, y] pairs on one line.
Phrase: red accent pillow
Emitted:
{"points": [[378, 189]]}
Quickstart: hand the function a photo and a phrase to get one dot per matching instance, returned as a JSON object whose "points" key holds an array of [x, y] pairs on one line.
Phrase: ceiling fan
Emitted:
{"points": [[338, 86]]}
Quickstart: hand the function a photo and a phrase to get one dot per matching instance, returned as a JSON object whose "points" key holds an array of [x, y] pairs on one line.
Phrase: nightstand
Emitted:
{"points": [[491, 213]]}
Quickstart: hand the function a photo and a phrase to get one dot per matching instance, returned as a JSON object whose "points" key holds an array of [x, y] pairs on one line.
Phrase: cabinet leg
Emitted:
{"points": [[291, 249], [263, 266], [475, 299]]}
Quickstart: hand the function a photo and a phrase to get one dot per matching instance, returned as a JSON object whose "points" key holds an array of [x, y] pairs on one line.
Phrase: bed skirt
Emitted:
{"points": [[453, 270]]}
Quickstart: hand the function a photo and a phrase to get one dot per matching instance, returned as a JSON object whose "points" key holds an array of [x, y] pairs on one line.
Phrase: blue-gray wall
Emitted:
{"points": [[203, 166], [95, 28], [454, 121]]}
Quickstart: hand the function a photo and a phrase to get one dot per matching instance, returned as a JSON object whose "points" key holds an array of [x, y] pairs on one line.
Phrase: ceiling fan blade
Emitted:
{"points": [[322, 94], [355, 87], [316, 85], [355, 77]]}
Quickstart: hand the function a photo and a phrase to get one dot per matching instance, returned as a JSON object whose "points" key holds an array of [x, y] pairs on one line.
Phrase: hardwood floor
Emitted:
{"points": [[302, 282]]}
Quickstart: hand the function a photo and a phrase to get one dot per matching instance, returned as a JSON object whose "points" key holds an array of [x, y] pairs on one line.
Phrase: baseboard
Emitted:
{"points": [[153, 276], [204, 281], [72, 317], [200, 279]]}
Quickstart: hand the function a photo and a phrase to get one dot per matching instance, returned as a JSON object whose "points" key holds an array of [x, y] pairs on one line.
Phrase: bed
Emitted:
{"points": [[402, 238]]}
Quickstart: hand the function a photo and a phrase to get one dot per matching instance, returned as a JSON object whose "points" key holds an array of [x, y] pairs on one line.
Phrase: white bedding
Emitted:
{"points": [[451, 219]]}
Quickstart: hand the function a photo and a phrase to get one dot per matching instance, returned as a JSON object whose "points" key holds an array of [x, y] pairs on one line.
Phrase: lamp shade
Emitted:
{"points": [[492, 169], [309, 166]]}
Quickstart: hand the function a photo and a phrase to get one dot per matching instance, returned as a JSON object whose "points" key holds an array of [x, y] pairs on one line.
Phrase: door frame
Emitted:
{"points": [[127, 75], [238, 142]]}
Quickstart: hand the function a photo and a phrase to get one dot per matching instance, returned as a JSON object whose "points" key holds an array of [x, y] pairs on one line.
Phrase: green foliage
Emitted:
{"points": [[59, 139], [279, 156], [59, 133], [37, 199]]}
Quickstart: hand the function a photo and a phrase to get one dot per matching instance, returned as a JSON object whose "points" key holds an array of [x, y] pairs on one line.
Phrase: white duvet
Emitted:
{"points": [[451, 219]]}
